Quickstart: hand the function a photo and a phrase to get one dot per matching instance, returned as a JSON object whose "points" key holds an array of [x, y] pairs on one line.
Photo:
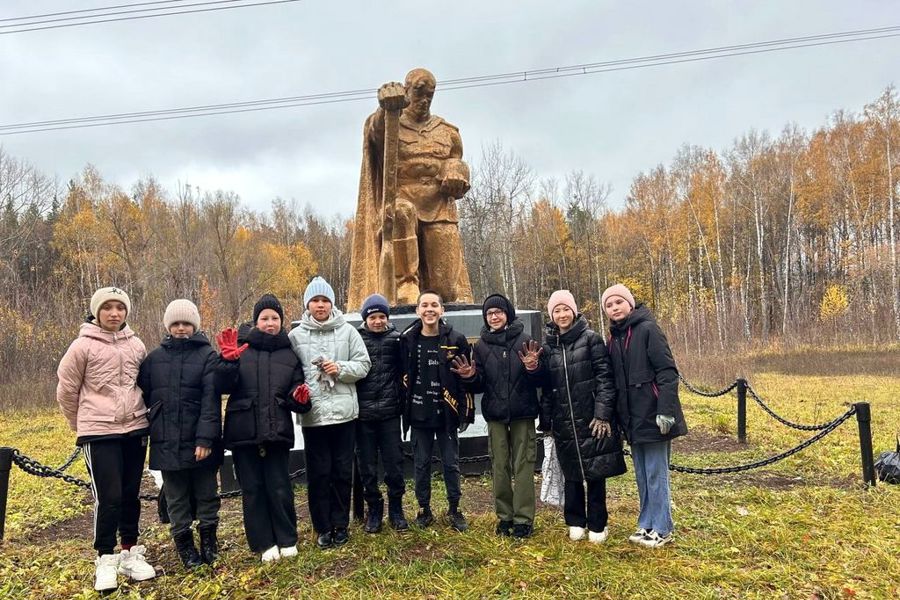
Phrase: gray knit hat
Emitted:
{"points": [[182, 310], [317, 287]]}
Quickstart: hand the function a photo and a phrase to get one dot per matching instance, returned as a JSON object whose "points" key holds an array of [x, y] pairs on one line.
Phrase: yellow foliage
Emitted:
{"points": [[834, 303], [288, 269]]}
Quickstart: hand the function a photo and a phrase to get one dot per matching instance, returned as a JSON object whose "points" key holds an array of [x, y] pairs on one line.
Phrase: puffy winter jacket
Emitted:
{"points": [[379, 392], [579, 387], [338, 341], [178, 380], [97, 389], [459, 405], [509, 395], [646, 378], [261, 384]]}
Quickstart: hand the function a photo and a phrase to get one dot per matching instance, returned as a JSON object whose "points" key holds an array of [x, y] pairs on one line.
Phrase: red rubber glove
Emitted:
{"points": [[228, 344], [301, 394]]}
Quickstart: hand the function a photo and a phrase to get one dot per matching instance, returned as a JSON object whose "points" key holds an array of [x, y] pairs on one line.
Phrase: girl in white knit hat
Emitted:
{"points": [[178, 380], [97, 393]]}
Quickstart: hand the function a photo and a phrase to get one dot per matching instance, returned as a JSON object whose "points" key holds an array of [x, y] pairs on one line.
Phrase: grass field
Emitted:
{"points": [[802, 528]]}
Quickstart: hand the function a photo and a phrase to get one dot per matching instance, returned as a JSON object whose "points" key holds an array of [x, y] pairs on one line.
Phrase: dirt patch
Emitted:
{"points": [[701, 441], [79, 527]]}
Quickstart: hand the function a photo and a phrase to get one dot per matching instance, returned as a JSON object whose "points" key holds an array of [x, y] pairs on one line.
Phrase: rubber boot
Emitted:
{"points": [[209, 544], [187, 552]]}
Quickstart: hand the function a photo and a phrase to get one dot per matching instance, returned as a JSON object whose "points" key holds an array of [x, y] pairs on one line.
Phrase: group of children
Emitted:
{"points": [[358, 391]]}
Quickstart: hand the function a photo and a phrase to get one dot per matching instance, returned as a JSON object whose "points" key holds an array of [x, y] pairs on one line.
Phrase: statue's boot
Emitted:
{"points": [[406, 266]]}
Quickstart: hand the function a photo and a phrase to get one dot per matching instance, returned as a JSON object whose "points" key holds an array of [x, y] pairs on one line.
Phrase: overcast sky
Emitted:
{"points": [[611, 125]]}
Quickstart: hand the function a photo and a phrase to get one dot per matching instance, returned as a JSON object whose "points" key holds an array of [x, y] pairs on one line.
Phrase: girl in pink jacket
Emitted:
{"points": [[98, 395]]}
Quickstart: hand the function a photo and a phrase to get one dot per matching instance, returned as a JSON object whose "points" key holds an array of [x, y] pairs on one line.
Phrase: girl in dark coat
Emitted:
{"points": [[265, 380], [178, 381], [578, 406], [648, 406]]}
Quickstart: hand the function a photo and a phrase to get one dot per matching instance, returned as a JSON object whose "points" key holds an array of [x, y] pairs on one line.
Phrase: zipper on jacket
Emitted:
{"points": [[572, 413]]}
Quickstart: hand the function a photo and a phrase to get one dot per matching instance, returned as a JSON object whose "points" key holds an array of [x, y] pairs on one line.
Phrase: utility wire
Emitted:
{"points": [[87, 10], [457, 84], [157, 12]]}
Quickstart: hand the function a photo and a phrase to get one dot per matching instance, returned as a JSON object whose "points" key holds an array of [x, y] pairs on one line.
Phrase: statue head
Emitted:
{"points": [[420, 85]]}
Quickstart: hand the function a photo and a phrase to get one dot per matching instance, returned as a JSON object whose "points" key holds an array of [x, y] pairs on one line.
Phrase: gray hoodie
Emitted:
{"points": [[335, 340]]}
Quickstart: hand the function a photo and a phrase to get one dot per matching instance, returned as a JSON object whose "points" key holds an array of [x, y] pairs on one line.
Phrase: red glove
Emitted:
{"points": [[301, 394], [228, 344]]}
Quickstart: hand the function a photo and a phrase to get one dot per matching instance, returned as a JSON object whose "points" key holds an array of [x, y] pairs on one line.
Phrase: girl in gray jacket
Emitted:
{"points": [[334, 358]]}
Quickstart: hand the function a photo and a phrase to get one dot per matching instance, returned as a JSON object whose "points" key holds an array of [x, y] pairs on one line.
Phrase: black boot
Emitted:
{"points": [[376, 514], [395, 515], [457, 520], [187, 552], [209, 544]]}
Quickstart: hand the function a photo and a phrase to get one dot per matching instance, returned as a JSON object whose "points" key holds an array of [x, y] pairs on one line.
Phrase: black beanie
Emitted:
{"points": [[498, 301], [267, 301]]}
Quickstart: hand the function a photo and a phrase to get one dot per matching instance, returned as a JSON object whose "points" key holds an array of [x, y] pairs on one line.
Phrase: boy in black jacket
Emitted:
{"points": [[510, 406], [380, 405], [178, 381], [437, 406]]}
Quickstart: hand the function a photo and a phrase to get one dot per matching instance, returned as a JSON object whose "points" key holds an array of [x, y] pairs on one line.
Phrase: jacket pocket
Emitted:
{"points": [[240, 420], [190, 414], [157, 427], [641, 378]]}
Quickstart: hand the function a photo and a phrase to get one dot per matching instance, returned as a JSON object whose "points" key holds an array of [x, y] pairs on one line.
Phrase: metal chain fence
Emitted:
{"points": [[781, 419], [700, 392]]}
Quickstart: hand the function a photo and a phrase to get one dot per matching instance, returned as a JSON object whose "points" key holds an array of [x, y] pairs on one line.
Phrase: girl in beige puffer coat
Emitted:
{"points": [[98, 395]]}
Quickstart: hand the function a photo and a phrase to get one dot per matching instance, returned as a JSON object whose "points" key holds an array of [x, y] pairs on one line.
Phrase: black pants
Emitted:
{"points": [[267, 496], [423, 447], [372, 438], [199, 484], [115, 467], [595, 517], [329, 474]]}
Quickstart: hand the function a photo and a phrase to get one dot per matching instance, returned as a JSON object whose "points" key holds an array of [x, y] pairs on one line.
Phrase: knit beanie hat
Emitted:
{"points": [[617, 290], [267, 301], [106, 294], [317, 287], [376, 303], [498, 301], [182, 310], [563, 297]]}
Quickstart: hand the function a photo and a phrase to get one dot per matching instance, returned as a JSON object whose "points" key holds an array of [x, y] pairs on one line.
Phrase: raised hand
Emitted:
{"points": [[462, 367], [228, 344], [392, 96], [530, 355], [600, 429]]}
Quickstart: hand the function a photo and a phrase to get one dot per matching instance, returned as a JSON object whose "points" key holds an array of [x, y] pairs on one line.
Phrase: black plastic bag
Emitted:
{"points": [[888, 465]]}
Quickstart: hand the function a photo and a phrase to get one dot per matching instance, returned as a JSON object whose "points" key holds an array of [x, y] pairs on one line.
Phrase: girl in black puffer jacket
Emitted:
{"points": [[578, 406], [265, 381], [647, 383], [178, 381]]}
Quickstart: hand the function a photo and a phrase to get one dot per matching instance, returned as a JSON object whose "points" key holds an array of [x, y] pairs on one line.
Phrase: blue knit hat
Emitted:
{"points": [[317, 287], [374, 304]]}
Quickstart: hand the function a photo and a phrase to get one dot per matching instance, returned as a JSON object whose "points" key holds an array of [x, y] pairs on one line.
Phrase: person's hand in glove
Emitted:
{"points": [[463, 427], [301, 394], [665, 423], [600, 429], [228, 344]]}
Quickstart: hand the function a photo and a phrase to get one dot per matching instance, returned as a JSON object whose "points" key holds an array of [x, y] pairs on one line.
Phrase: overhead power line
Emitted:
{"points": [[60, 20], [123, 118]]}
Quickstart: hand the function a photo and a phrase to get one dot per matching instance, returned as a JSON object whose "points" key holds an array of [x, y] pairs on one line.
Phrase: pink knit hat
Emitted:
{"points": [[617, 290], [563, 297]]}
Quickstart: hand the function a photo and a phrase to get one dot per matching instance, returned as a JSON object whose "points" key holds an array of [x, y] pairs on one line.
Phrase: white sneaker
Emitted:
{"points": [[576, 533], [106, 573], [271, 554], [654, 540], [638, 535], [132, 564], [598, 537], [288, 552]]}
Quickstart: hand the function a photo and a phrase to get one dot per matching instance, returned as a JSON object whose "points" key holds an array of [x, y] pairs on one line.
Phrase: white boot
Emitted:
{"points": [[270, 554], [106, 572], [576, 533], [133, 564], [598, 537]]}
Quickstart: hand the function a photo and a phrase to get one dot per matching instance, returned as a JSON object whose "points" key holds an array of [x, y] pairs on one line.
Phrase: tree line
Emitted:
{"points": [[775, 238]]}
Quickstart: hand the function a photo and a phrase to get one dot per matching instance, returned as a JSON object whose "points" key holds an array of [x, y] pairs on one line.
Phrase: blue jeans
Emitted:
{"points": [[651, 469]]}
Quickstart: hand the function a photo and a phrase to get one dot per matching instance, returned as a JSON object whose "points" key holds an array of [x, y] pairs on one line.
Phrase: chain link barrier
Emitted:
{"points": [[33, 467], [69, 460], [781, 419], [699, 392], [829, 427]]}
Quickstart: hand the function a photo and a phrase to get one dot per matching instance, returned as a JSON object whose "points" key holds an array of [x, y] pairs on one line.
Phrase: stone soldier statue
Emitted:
{"points": [[406, 218]]}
